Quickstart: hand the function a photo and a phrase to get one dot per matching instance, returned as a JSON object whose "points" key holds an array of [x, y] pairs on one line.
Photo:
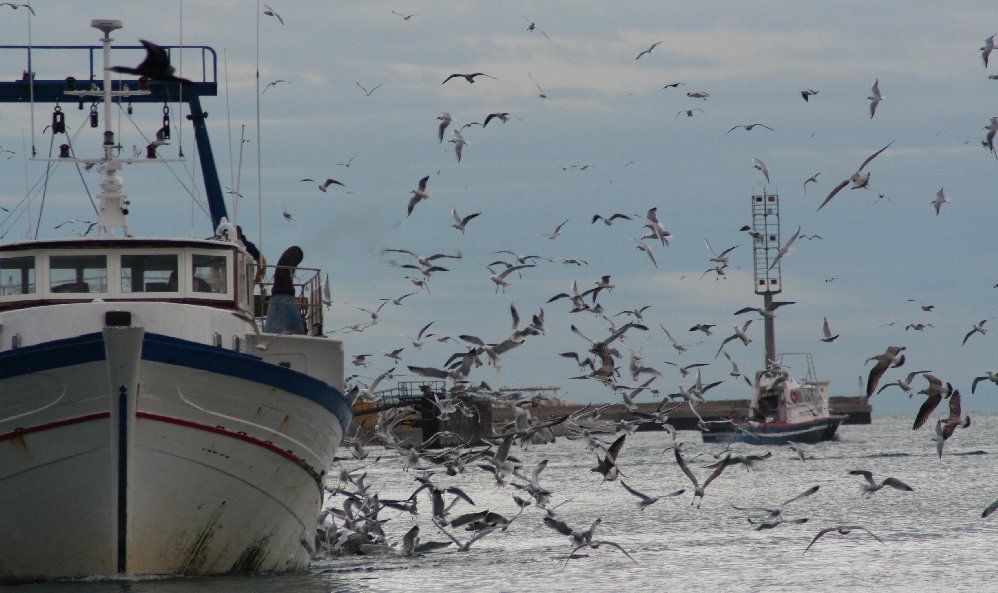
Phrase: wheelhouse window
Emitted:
{"points": [[78, 273], [149, 273], [210, 273], [17, 275]]}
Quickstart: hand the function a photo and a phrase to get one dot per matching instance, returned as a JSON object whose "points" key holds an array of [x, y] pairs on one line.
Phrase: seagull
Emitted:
{"points": [[542, 94], [679, 347], [500, 278], [533, 27], [917, 326], [698, 490], [419, 194], [988, 376], [762, 167], [469, 77], [156, 66], [673, 85], [349, 161], [556, 232], [721, 258], [267, 10], [990, 509], [775, 512], [978, 328], [891, 357], [418, 342], [648, 51], [946, 426], [787, 248], [934, 394], [272, 83], [16, 6], [698, 95], [644, 500], [857, 178], [612, 217], [811, 179], [461, 223], [445, 120], [905, 382], [368, 91], [941, 199], [459, 143], [826, 332], [740, 334], [871, 487], [876, 98], [992, 128], [404, 17], [644, 247], [703, 327], [748, 127], [324, 185], [806, 93], [688, 112], [989, 45], [607, 466], [843, 530], [502, 116]]}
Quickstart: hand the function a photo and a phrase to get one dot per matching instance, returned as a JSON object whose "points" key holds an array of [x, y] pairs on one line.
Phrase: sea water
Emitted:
{"points": [[934, 537]]}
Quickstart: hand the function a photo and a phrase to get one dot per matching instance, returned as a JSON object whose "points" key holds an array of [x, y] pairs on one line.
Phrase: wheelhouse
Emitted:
{"points": [[39, 273]]}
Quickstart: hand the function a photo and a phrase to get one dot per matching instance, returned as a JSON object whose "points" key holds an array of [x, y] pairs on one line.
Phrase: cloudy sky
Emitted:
{"points": [[606, 138]]}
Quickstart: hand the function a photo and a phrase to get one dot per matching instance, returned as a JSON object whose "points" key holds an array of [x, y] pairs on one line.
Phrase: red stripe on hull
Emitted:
{"points": [[50, 425]]}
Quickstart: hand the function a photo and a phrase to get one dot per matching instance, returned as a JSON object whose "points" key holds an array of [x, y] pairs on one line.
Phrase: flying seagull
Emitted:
{"points": [[875, 98], [418, 194], [698, 490], [469, 77], [748, 127], [459, 143], [891, 357], [156, 66], [762, 167], [870, 487], [324, 185], [461, 223], [366, 91], [445, 120], [941, 199], [858, 179], [808, 93], [32, 10], [989, 46], [843, 530], [272, 83], [267, 10], [648, 51], [826, 333], [787, 248], [978, 329]]}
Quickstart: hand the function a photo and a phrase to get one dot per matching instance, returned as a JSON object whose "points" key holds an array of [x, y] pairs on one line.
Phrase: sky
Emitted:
{"points": [[606, 138]]}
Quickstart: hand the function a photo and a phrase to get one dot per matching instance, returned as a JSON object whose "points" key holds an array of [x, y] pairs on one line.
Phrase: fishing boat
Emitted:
{"points": [[782, 410], [168, 406]]}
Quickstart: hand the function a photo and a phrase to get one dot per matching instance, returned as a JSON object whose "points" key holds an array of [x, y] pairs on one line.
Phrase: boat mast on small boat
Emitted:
{"points": [[158, 413], [782, 409]]}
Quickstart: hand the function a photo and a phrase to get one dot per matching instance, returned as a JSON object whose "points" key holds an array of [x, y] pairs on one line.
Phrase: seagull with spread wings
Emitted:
{"points": [[858, 179]]}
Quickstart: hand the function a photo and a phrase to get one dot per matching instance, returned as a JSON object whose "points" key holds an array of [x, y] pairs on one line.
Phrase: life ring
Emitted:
{"points": [[794, 397]]}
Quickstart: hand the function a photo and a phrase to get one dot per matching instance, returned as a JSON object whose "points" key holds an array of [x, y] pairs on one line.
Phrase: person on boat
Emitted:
{"points": [[284, 313], [250, 247]]}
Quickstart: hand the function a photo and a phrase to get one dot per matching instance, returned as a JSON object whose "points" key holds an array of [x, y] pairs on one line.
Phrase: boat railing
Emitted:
{"points": [[308, 292]]}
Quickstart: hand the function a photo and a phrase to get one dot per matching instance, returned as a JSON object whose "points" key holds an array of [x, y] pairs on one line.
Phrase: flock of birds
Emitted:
{"points": [[356, 525]]}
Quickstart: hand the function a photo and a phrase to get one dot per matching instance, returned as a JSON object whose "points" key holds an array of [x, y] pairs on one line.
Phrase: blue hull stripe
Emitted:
{"points": [[167, 350]]}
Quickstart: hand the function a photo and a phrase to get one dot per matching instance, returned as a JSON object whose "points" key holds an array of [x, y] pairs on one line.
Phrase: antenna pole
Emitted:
{"points": [[766, 223]]}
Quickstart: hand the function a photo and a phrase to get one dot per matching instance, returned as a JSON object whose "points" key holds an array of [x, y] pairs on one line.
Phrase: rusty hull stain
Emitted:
{"points": [[197, 555]]}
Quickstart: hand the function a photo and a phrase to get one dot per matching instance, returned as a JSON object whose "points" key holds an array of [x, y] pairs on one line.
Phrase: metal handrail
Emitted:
{"points": [[308, 289]]}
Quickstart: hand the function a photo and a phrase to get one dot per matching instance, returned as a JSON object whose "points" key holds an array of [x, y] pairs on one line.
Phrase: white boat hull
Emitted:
{"points": [[124, 452]]}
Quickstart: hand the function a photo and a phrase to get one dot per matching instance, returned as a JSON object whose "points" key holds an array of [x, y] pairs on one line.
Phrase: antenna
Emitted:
{"points": [[766, 223]]}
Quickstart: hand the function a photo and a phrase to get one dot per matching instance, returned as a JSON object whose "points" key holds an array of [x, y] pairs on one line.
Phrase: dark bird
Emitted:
{"points": [[32, 10], [748, 127], [806, 93], [404, 17], [843, 530], [366, 91], [607, 466], [991, 508], [324, 185], [156, 66], [469, 77], [267, 10], [698, 490], [270, 84], [891, 357], [648, 51], [870, 486], [858, 179], [500, 115], [934, 394], [978, 329]]}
